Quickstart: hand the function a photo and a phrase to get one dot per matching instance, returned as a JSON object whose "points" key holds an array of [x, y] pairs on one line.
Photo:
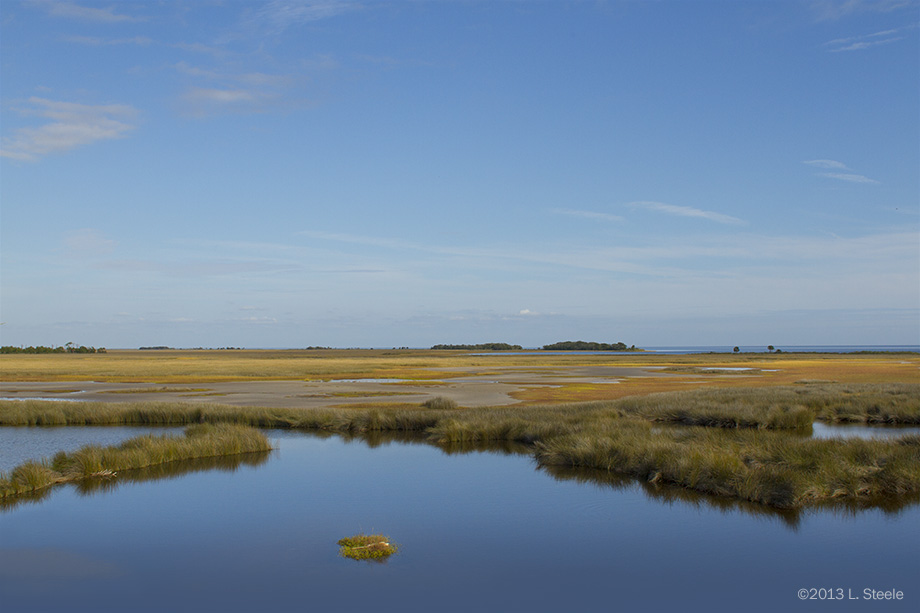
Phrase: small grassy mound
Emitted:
{"points": [[198, 441], [440, 403], [366, 547]]}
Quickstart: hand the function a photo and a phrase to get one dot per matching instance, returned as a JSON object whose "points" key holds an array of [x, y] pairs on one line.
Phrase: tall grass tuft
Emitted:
{"points": [[200, 441], [440, 403]]}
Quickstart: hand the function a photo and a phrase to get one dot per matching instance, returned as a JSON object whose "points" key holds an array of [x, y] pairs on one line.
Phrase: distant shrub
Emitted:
{"points": [[439, 402], [586, 346]]}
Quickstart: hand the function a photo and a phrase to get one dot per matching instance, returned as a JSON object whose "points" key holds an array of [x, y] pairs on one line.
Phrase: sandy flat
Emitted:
{"points": [[476, 387]]}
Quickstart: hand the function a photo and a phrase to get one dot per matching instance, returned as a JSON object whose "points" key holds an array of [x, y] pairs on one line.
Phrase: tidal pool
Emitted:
{"points": [[478, 531]]}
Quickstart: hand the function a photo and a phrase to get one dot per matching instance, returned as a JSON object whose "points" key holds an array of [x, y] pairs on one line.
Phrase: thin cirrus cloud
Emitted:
{"points": [[828, 10], [72, 10], [69, 125], [95, 41], [834, 164], [278, 15], [849, 176], [222, 91], [686, 211], [587, 214], [214, 101]]}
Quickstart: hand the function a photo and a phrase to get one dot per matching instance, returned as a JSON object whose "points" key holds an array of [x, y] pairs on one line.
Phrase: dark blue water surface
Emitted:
{"points": [[481, 531], [686, 350]]}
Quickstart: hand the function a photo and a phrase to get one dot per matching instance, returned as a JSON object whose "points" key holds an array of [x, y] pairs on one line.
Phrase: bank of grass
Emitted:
{"points": [[367, 547], [782, 407], [198, 441], [747, 444], [772, 468]]}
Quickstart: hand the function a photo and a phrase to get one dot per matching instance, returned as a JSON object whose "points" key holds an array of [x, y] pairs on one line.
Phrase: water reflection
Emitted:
{"points": [[863, 431], [375, 439], [661, 493], [671, 494], [106, 485]]}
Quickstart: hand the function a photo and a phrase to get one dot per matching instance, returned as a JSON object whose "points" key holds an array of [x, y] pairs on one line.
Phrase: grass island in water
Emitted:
{"points": [[93, 461], [366, 547]]}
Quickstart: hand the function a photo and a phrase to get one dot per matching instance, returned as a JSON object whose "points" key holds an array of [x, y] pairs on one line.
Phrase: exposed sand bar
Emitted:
{"points": [[474, 388]]}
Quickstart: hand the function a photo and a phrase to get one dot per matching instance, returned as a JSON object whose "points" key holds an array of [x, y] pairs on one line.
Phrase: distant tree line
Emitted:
{"points": [[587, 346], [68, 348], [482, 347]]}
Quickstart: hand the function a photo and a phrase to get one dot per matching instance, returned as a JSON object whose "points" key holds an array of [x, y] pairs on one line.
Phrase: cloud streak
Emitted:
{"points": [[866, 41], [70, 125], [71, 10], [834, 164], [588, 214], [847, 176], [219, 91], [828, 10], [686, 211], [278, 15], [850, 176]]}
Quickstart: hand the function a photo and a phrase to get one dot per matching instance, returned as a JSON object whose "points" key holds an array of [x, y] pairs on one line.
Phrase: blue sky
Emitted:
{"points": [[357, 173]]}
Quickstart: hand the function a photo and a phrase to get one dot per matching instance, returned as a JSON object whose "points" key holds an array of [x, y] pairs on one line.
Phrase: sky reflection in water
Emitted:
{"points": [[479, 531]]}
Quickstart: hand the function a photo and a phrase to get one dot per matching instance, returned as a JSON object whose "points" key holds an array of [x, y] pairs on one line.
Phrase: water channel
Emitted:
{"points": [[478, 531]]}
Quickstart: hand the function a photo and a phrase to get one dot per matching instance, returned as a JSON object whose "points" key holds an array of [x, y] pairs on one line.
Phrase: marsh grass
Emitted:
{"points": [[185, 367], [367, 547], [739, 443], [198, 441], [782, 407], [440, 403], [156, 390], [759, 466]]}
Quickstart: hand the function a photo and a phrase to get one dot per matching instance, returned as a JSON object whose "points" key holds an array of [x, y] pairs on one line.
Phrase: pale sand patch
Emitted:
{"points": [[490, 386]]}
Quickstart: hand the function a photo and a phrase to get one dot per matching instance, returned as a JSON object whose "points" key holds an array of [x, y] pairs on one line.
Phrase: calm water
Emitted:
{"points": [[18, 444], [479, 531], [727, 349]]}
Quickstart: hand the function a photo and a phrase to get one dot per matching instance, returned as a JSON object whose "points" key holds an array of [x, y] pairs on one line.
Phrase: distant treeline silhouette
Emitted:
{"points": [[587, 346], [482, 347], [68, 348]]}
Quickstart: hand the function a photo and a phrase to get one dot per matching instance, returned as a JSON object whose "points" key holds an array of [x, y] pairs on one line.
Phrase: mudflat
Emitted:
{"points": [[359, 378]]}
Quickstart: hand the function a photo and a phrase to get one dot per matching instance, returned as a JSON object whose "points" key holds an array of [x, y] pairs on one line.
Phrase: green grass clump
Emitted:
{"points": [[199, 441], [781, 407], [366, 547], [440, 403], [771, 468]]}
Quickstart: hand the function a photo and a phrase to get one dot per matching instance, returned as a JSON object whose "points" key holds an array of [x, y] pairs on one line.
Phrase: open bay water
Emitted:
{"points": [[688, 350], [479, 531], [786, 348]]}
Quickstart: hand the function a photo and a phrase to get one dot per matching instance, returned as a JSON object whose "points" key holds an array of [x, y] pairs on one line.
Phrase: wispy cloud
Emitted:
{"points": [[827, 10], [588, 214], [72, 10], [827, 164], [260, 79], [278, 15], [95, 41], [858, 43], [219, 92], [850, 176], [686, 211], [71, 125], [847, 176]]}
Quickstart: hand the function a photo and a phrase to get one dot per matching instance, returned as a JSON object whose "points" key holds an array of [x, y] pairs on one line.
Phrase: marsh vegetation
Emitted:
{"points": [[744, 443], [367, 547], [93, 461]]}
